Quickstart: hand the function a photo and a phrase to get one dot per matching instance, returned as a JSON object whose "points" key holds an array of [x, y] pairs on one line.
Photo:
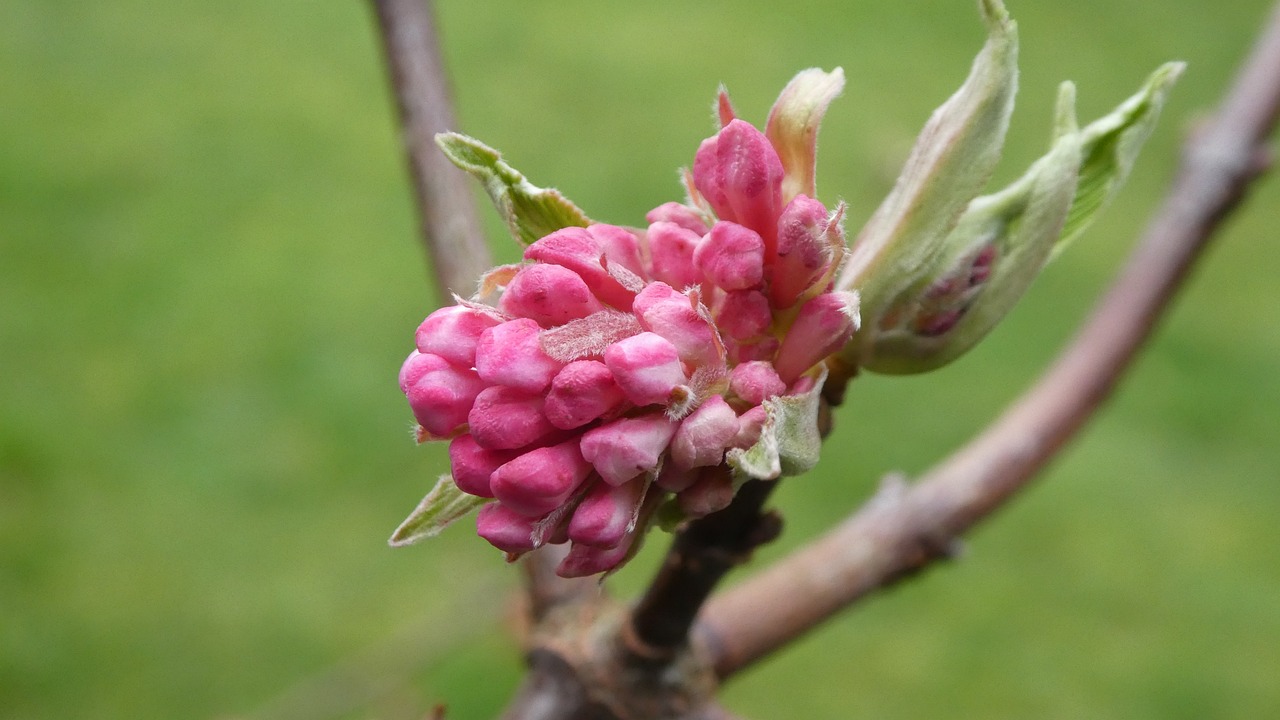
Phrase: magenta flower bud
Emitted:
{"points": [[452, 333], [511, 354], [671, 249], [731, 256], [583, 391], [803, 252], [550, 294], [671, 315], [744, 314], [675, 478], [622, 449], [682, 215], [765, 349], [740, 175], [646, 366], [540, 480], [471, 465], [620, 246], [505, 418], [440, 394], [505, 529], [823, 326], [756, 381], [750, 425], [581, 252], [703, 436], [584, 560], [604, 516], [711, 492]]}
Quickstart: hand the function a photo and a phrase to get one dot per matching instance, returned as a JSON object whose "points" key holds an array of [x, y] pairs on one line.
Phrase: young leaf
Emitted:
{"points": [[789, 440], [1110, 147], [529, 211], [444, 504], [952, 160]]}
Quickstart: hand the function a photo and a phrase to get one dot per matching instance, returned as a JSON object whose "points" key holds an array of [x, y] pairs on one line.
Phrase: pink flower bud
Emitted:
{"points": [[682, 215], [731, 256], [581, 252], [750, 425], [703, 436], [441, 394], [744, 314], [756, 381], [671, 315], [803, 252], [604, 516], [622, 449], [620, 246], [740, 175], [452, 332], [550, 294], [824, 325], [675, 478], [504, 418], [671, 249], [583, 391], [646, 366], [505, 529], [511, 354], [584, 560], [711, 492], [540, 480], [471, 465], [765, 349]]}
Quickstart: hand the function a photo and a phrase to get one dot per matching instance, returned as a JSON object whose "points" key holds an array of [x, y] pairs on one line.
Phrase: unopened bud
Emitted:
{"points": [[647, 367], [703, 436], [471, 465], [540, 480], [823, 326], [605, 515], [440, 394], [671, 249], [505, 529], [452, 333], [583, 391], [625, 448], [511, 354], [504, 418], [740, 175], [731, 256], [756, 381], [550, 294]]}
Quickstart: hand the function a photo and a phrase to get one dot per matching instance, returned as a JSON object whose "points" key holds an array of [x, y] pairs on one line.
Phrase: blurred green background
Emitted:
{"points": [[209, 276]]}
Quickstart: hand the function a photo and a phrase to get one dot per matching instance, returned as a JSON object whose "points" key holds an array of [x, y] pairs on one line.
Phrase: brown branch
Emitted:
{"points": [[905, 528], [450, 225]]}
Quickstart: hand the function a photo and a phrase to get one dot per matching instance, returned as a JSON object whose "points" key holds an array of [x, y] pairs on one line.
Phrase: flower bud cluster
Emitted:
{"points": [[618, 366]]}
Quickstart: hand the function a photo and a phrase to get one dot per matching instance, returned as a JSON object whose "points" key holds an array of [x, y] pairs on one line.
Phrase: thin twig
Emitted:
{"points": [[450, 225], [906, 528]]}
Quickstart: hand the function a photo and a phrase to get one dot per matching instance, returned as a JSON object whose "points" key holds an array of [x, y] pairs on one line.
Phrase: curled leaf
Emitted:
{"points": [[529, 211]]}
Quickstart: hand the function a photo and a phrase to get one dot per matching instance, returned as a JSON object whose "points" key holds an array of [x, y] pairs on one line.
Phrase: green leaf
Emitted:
{"points": [[444, 504], [529, 211], [1021, 224], [789, 441], [1110, 146], [952, 160]]}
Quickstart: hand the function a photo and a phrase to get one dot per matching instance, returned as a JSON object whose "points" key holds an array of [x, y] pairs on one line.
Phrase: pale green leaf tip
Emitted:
{"points": [[996, 16], [465, 151], [441, 507], [1064, 111]]}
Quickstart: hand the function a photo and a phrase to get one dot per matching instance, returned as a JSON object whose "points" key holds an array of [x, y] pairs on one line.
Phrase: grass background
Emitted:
{"points": [[209, 276]]}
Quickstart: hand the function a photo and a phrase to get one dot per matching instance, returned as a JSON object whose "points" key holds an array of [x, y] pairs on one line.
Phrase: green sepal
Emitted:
{"points": [[789, 441], [1110, 146], [444, 504], [530, 212]]}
